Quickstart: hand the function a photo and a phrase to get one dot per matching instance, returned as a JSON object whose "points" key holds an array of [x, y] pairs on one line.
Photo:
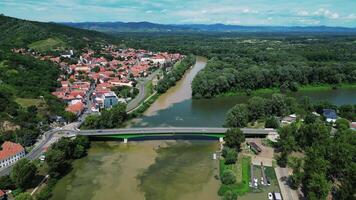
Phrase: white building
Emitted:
{"points": [[10, 153]]}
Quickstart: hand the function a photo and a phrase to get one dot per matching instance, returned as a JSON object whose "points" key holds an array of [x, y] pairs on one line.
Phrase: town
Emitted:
{"points": [[93, 81]]}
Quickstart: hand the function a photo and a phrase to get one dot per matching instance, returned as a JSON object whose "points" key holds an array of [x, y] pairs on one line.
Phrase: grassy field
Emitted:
{"points": [[47, 44], [242, 170], [304, 88], [24, 102]]}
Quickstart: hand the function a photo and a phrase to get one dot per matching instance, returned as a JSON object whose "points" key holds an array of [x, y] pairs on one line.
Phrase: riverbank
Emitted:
{"points": [[304, 88]]}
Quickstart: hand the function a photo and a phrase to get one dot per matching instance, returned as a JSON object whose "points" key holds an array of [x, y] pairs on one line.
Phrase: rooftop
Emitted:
{"points": [[10, 149]]}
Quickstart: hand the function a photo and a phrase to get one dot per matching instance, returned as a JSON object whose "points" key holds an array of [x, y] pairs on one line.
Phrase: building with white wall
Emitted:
{"points": [[10, 153]]}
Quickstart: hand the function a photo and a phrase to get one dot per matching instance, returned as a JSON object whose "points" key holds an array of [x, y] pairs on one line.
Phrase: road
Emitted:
{"points": [[163, 130], [46, 141], [134, 103], [282, 176]]}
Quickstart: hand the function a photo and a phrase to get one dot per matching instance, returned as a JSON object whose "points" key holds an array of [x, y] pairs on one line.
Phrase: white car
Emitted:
{"points": [[42, 158], [270, 196]]}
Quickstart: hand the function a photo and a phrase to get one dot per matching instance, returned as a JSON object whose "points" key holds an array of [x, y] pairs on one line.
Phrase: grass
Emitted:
{"points": [[47, 44], [25, 102], [149, 89], [303, 88], [242, 185]]}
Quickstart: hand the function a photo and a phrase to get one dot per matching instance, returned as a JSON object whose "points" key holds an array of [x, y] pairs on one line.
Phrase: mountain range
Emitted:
{"points": [[154, 27]]}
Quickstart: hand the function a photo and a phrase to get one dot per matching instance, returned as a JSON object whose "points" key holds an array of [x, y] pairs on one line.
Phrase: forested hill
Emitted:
{"points": [[26, 83], [116, 27], [23, 33]]}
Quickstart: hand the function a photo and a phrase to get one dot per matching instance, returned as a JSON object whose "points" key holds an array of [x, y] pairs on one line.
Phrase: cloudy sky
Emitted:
{"points": [[242, 12]]}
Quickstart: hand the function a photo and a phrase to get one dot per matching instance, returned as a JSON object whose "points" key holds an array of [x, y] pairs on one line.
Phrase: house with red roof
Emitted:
{"points": [[76, 108], [10, 153]]}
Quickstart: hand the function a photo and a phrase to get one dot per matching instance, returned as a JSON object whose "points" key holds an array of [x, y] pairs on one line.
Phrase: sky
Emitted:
{"points": [[236, 12]]}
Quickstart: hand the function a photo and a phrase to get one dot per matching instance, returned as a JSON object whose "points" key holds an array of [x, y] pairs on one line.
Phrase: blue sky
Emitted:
{"points": [[242, 12]]}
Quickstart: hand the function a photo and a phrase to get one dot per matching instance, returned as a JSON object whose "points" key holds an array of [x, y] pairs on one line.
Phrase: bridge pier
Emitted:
{"points": [[126, 140]]}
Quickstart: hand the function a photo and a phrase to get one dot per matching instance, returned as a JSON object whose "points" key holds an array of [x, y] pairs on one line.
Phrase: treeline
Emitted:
{"points": [[245, 62], [113, 118], [328, 167], [27, 77], [279, 105], [25, 173], [21, 33], [171, 77]]}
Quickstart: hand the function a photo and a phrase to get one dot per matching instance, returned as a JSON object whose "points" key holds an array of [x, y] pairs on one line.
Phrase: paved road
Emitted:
{"points": [[282, 176], [38, 149], [163, 130], [134, 103]]}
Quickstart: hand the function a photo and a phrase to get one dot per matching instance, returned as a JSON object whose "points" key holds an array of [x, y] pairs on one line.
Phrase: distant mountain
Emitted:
{"points": [[153, 27], [127, 27], [23, 33]]}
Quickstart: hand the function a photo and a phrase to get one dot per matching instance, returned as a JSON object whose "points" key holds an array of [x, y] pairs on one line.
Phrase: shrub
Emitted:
{"points": [[228, 177]]}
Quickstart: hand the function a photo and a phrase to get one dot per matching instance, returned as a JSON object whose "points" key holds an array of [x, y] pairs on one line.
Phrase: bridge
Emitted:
{"points": [[126, 133]]}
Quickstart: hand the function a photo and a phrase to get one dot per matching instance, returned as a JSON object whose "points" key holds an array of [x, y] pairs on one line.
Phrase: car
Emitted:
{"points": [[42, 158], [270, 196]]}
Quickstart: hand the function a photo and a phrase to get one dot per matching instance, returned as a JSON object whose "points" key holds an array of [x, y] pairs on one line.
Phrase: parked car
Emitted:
{"points": [[270, 196], [42, 158]]}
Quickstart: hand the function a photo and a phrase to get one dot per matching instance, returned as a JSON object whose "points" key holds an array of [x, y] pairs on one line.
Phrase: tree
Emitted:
{"points": [[278, 105], [310, 118], [23, 173], [234, 138], [228, 177], [317, 187], [229, 195], [257, 107], [272, 122], [348, 112], [237, 116], [231, 156], [57, 162], [342, 124], [24, 196], [6, 183]]}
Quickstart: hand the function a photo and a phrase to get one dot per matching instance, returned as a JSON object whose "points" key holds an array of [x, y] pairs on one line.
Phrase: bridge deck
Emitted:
{"points": [[170, 130]]}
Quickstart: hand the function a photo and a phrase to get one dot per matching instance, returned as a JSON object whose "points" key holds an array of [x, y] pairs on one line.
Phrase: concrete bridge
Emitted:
{"points": [[126, 133]]}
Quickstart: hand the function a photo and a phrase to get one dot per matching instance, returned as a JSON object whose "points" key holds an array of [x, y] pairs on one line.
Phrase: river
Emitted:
{"points": [[162, 169], [177, 108]]}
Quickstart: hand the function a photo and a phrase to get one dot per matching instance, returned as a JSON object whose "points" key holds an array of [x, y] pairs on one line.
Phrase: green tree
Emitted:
{"points": [[278, 105], [24, 196], [342, 124], [23, 173], [317, 187], [258, 108], [231, 157], [272, 122], [57, 162], [229, 195], [234, 137], [6, 183], [237, 116], [228, 177]]}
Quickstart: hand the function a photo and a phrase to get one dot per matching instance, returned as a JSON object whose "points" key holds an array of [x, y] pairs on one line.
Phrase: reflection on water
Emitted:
{"points": [[178, 93], [142, 170], [212, 112]]}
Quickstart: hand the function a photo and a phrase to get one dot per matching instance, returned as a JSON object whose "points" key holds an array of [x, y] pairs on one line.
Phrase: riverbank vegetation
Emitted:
{"points": [[26, 174], [328, 165], [233, 168], [171, 77], [112, 118], [271, 110], [241, 63]]}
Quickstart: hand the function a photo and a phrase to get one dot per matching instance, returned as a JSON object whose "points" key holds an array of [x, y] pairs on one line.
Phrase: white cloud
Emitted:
{"points": [[321, 12]]}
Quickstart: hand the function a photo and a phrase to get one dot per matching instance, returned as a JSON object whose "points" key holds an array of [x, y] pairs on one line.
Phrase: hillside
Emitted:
{"points": [[26, 83], [44, 36], [153, 27]]}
